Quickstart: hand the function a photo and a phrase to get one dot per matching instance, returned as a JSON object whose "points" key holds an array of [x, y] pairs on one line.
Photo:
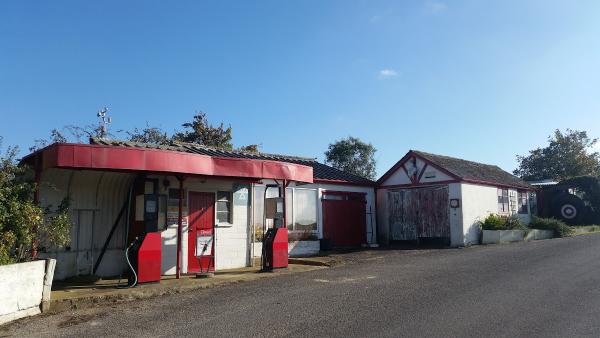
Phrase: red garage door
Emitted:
{"points": [[344, 218]]}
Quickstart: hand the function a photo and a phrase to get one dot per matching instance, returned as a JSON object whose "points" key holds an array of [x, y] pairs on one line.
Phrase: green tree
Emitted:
{"points": [[148, 134], [569, 154], [199, 131], [22, 221], [353, 156], [251, 148]]}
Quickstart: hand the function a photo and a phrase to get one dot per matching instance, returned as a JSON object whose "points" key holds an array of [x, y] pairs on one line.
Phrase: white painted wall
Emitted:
{"points": [[456, 215], [430, 175], [478, 201]]}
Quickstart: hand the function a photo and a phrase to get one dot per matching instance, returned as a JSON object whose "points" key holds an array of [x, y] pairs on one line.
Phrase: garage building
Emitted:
{"points": [[426, 196]]}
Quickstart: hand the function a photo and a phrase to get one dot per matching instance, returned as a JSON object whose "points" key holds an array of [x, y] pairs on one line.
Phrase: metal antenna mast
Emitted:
{"points": [[105, 121]]}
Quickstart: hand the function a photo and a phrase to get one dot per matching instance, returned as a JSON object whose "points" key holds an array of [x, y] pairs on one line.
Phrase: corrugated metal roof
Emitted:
{"points": [[320, 171]]}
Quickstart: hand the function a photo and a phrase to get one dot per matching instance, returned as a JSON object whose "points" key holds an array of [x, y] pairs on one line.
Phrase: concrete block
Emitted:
{"points": [[502, 236], [536, 234], [21, 289]]}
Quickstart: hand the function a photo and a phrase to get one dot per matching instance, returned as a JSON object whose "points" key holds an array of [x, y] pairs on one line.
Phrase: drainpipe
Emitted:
{"points": [[179, 227]]}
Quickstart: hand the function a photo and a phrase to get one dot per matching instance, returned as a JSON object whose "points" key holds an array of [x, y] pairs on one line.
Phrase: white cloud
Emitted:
{"points": [[436, 7], [387, 73]]}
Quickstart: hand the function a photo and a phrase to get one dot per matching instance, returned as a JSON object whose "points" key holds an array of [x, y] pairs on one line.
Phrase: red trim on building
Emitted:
{"points": [[417, 185], [337, 192], [100, 157], [425, 184], [342, 182], [497, 185]]}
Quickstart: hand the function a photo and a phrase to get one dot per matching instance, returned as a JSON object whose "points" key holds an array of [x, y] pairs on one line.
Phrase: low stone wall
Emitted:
{"points": [[25, 289], [536, 234], [507, 236], [295, 248], [304, 248], [502, 236]]}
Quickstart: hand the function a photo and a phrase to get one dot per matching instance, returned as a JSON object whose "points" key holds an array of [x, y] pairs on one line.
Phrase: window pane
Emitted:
{"points": [[222, 217], [223, 196], [222, 206], [305, 207], [174, 197], [258, 198]]}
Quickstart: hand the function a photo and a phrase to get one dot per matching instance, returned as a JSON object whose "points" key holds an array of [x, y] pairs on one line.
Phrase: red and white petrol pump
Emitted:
{"points": [[144, 253], [275, 242]]}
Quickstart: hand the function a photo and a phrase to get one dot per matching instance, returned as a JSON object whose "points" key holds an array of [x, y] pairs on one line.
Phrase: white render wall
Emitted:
{"points": [[456, 216], [478, 201], [430, 175]]}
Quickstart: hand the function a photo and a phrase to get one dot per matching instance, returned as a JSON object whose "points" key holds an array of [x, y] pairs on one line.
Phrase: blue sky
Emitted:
{"points": [[482, 80]]}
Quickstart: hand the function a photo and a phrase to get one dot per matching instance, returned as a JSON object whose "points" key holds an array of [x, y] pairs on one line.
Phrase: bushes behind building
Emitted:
{"points": [[560, 228]]}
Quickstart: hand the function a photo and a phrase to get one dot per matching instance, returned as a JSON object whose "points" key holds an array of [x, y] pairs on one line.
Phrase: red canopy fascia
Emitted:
{"points": [[103, 157]]}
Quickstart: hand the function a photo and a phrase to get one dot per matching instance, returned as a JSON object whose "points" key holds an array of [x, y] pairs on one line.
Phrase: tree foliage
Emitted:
{"points": [[200, 131], [21, 220], [569, 154], [353, 156], [251, 148], [148, 134]]}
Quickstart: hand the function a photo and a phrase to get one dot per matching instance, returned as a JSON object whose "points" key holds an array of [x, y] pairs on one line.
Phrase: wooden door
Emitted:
{"points": [[419, 213], [344, 219], [201, 223]]}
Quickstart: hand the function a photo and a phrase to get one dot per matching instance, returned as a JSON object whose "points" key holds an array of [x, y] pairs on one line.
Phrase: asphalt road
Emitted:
{"points": [[541, 289]]}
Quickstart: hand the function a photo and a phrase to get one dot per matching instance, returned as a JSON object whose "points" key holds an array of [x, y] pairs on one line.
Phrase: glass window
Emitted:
{"points": [[523, 200], [289, 208], [305, 210], [503, 201], [258, 212], [174, 197], [224, 207]]}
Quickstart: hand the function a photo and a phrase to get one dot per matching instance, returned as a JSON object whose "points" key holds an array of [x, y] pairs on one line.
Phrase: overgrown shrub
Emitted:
{"points": [[560, 228], [21, 220], [493, 222], [497, 222]]}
